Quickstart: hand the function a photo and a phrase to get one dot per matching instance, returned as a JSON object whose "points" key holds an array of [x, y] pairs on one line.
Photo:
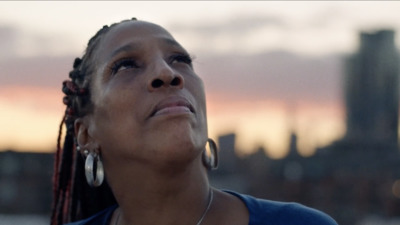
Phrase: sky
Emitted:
{"points": [[269, 67]]}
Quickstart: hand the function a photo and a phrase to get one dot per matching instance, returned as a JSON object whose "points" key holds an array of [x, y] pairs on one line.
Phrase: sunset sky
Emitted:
{"points": [[270, 68]]}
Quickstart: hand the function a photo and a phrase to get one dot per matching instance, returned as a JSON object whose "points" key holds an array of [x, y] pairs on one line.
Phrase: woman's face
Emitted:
{"points": [[149, 105]]}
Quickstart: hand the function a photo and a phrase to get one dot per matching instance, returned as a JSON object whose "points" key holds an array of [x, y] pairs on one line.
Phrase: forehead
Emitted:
{"points": [[133, 33]]}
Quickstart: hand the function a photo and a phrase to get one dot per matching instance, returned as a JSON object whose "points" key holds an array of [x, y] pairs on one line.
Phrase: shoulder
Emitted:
{"points": [[265, 212], [100, 218]]}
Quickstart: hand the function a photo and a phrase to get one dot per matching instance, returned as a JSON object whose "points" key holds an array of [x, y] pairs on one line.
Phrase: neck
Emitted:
{"points": [[157, 196]]}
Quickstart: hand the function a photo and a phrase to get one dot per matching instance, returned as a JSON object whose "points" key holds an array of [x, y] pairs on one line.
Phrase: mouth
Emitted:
{"points": [[173, 105]]}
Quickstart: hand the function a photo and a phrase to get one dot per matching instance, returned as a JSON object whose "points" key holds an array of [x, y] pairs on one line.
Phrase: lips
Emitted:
{"points": [[172, 105]]}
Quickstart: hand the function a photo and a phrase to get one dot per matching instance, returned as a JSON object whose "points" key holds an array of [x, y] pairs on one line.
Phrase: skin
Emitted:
{"points": [[149, 125]]}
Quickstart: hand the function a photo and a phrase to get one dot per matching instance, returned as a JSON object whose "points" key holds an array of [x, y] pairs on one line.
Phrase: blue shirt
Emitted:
{"points": [[261, 212]]}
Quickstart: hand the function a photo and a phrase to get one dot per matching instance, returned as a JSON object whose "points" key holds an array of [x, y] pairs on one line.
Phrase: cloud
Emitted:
{"points": [[43, 71], [239, 33], [274, 75], [320, 32], [326, 17], [8, 41], [236, 25], [17, 42]]}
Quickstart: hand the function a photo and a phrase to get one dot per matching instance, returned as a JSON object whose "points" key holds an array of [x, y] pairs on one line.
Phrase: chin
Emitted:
{"points": [[179, 146]]}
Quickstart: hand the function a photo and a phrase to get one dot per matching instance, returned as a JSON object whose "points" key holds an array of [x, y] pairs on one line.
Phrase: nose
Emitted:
{"points": [[165, 76]]}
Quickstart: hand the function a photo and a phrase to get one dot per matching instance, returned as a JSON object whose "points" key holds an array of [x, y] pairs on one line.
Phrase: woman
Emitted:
{"points": [[136, 113]]}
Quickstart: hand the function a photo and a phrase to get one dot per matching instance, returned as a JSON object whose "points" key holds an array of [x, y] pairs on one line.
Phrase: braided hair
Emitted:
{"points": [[73, 198]]}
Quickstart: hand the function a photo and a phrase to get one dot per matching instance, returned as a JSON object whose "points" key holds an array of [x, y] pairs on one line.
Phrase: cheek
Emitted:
{"points": [[116, 115], [113, 105], [196, 88], [198, 93], [118, 97]]}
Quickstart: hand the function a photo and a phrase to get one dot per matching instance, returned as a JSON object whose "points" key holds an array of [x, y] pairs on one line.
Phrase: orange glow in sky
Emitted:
{"points": [[32, 116], [269, 124]]}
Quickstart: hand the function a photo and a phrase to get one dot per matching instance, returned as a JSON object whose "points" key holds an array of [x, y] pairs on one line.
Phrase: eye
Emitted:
{"points": [[180, 58], [123, 64]]}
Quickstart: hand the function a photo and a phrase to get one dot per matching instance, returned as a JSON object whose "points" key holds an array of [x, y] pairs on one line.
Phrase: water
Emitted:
{"points": [[24, 220], [375, 220]]}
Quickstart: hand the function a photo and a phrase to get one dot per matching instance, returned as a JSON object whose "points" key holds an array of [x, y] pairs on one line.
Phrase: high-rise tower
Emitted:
{"points": [[372, 90]]}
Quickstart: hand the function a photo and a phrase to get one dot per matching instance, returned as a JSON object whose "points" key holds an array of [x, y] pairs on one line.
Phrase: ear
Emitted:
{"points": [[83, 137]]}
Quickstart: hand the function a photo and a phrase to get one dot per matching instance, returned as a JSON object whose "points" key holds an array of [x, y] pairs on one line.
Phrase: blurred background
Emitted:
{"points": [[302, 96]]}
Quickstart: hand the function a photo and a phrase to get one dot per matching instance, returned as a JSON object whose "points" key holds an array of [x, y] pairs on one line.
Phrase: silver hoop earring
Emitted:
{"points": [[91, 159], [210, 155]]}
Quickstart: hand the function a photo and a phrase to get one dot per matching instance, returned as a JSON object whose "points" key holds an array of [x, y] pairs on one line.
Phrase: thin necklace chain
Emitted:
{"points": [[210, 200]]}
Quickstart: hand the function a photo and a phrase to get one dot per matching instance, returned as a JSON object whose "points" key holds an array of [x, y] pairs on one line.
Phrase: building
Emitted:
{"points": [[371, 86], [25, 180]]}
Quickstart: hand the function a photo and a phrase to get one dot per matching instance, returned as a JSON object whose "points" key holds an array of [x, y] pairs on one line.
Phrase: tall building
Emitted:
{"points": [[363, 167], [372, 90]]}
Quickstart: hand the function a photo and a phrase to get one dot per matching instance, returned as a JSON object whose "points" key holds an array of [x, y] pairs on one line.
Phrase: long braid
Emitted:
{"points": [[56, 190], [73, 199]]}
